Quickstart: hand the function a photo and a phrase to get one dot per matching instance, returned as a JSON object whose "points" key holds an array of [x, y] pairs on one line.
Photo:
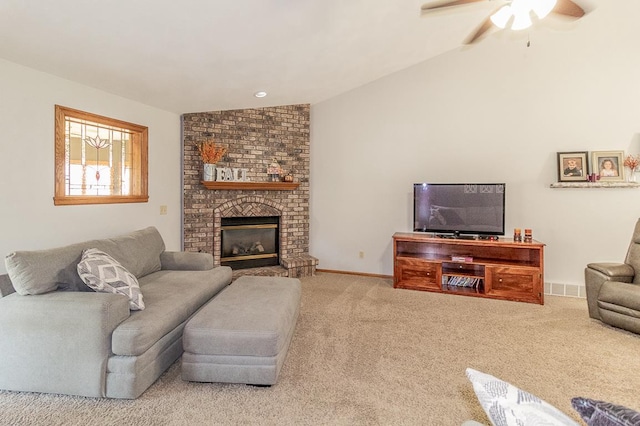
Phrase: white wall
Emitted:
{"points": [[28, 218], [495, 112]]}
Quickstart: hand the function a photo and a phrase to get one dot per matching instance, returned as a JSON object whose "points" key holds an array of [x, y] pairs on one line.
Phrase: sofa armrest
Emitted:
{"points": [[186, 261], [595, 274], [615, 271], [58, 342]]}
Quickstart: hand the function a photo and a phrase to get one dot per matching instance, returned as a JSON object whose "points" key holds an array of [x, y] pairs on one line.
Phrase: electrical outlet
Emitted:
{"points": [[361, 255], [163, 209]]}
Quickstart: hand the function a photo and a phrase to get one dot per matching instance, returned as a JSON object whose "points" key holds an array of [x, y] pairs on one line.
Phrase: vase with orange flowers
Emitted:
{"points": [[632, 162], [210, 153]]}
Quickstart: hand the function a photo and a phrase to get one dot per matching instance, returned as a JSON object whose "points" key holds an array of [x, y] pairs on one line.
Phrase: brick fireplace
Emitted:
{"points": [[253, 138]]}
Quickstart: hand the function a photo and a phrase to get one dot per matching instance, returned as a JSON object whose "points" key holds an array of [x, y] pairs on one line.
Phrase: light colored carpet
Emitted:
{"points": [[366, 354]]}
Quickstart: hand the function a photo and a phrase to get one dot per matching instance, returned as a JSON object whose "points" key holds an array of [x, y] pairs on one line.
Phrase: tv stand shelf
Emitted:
{"points": [[496, 269]]}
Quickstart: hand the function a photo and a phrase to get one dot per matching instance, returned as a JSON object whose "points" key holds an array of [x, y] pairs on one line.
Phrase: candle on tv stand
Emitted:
{"points": [[517, 236]]}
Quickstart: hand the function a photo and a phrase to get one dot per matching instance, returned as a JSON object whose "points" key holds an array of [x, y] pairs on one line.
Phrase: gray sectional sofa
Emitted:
{"points": [[59, 336]]}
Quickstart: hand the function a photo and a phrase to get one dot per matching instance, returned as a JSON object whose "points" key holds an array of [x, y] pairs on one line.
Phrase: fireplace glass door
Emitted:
{"points": [[250, 242]]}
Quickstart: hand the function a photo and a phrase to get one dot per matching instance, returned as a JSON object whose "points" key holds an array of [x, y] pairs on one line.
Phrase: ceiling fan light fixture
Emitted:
{"points": [[517, 15], [543, 7], [521, 10], [521, 21], [502, 16]]}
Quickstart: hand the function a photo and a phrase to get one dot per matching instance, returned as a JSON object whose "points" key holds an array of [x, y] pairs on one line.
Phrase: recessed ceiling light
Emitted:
{"points": [[260, 94]]}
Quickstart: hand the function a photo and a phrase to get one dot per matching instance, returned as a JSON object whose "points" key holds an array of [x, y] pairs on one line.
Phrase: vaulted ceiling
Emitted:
{"points": [[204, 55]]}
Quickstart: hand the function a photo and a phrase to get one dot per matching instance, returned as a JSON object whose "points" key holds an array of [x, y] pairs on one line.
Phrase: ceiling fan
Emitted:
{"points": [[513, 14]]}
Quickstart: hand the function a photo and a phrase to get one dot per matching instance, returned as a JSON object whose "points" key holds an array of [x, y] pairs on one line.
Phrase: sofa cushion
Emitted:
{"points": [[171, 298], [254, 316], [507, 405], [41, 271], [104, 274]]}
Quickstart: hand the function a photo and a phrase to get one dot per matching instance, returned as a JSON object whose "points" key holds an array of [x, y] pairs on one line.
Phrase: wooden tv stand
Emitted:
{"points": [[499, 269]]}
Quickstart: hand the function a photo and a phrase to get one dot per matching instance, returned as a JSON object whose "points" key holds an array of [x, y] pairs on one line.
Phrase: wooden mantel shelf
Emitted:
{"points": [[251, 186]]}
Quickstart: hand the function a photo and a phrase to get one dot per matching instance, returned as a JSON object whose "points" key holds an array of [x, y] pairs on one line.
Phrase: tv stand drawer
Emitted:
{"points": [[418, 273]]}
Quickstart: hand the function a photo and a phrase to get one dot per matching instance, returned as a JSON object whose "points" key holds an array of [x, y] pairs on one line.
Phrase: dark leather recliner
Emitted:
{"points": [[613, 289]]}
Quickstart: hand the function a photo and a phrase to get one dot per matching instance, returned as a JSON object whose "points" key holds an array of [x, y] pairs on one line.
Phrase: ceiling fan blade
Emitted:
{"points": [[483, 28], [568, 8], [434, 6]]}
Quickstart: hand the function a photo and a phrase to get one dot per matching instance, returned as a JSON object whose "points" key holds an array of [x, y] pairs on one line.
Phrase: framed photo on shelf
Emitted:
{"points": [[608, 164], [573, 166]]}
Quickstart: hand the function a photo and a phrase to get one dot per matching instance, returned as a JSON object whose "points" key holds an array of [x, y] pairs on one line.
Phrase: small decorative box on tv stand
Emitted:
{"points": [[496, 269]]}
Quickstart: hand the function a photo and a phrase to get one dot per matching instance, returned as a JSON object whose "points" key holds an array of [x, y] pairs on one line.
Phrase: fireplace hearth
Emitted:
{"points": [[249, 242]]}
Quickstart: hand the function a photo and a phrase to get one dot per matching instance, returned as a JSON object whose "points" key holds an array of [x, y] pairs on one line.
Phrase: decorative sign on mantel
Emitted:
{"points": [[231, 174]]}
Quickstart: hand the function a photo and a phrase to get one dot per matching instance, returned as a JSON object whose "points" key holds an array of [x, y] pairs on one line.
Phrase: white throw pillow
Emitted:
{"points": [[104, 274], [507, 405]]}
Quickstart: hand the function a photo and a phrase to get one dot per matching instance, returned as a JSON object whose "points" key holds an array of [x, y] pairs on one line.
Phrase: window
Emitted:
{"points": [[99, 160]]}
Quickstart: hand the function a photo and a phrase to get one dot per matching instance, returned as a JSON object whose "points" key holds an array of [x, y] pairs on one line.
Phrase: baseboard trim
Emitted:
{"points": [[362, 274]]}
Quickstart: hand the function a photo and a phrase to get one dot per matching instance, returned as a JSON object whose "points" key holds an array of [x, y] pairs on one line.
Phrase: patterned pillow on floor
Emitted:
{"points": [[506, 405], [104, 274], [600, 413]]}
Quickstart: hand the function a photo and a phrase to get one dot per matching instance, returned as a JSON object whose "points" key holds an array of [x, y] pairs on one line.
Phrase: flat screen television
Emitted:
{"points": [[459, 209]]}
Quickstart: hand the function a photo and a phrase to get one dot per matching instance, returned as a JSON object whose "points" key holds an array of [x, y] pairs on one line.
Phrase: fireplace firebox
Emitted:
{"points": [[250, 242]]}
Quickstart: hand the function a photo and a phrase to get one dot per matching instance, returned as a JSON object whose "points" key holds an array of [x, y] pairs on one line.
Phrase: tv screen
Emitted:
{"points": [[459, 208]]}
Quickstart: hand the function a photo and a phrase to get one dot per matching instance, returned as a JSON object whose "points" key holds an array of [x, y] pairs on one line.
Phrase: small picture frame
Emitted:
{"points": [[573, 166], [608, 164]]}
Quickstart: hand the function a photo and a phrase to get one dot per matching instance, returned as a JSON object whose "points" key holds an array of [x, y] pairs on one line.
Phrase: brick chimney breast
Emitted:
{"points": [[253, 138]]}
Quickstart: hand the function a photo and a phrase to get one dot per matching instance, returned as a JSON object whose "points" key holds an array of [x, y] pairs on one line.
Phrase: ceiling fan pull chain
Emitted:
{"points": [[528, 39]]}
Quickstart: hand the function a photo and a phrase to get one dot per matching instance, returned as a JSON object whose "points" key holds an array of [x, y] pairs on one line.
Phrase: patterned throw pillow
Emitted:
{"points": [[104, 274], [507, 405], [600, 413]]}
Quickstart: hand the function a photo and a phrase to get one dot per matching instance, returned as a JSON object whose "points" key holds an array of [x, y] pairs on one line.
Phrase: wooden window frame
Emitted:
{"points": [[139, 187]]}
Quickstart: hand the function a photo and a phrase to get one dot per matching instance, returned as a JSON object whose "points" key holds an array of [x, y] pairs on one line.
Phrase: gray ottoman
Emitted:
{"points": [[242, 335]]}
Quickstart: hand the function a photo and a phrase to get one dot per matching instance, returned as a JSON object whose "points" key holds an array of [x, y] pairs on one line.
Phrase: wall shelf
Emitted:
{"points": [[250, 186], [595, 185]]}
